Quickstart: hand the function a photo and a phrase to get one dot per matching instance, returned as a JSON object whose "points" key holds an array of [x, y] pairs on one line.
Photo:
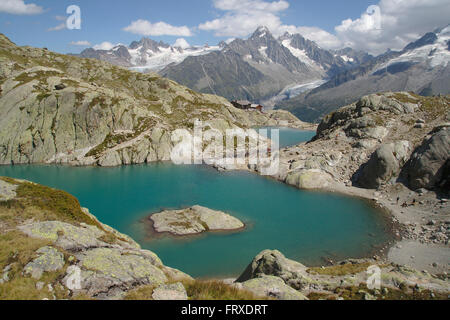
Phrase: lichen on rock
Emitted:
{"points": [[49, 260]]}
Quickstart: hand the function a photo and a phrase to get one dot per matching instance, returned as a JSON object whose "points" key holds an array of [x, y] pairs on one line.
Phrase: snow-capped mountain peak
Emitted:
{"points": [[432, 50], [148, 54], [262, 32]]}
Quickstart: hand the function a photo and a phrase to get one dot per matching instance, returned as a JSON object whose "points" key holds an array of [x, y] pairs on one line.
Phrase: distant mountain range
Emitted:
{"points": [[146, 55], [261, 67], [258, 69], [291, 72], [422, 67]]}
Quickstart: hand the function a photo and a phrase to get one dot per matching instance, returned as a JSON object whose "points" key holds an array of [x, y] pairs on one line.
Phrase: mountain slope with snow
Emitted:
{"points": [[274, 67], [147, 54], [261, 68], [422, 67]]}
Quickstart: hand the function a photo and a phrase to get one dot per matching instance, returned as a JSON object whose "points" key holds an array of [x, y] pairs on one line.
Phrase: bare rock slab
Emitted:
{"points": [[272, 287], [170, 292], [194, 220], [49, 260]]}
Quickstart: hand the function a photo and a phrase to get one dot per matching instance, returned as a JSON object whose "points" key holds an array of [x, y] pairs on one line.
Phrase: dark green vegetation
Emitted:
{"points": [[42, 203]]}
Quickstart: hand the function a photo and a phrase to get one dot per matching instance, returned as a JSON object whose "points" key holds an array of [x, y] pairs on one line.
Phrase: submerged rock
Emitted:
{"points": [[194, 220]]}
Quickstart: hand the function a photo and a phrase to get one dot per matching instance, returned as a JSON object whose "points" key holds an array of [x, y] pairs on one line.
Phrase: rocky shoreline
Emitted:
{"points": [[370, 150], [64, 239], [349, 138], [319, 168]]}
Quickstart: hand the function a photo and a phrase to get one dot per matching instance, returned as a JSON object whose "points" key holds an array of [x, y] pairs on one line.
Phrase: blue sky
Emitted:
{"points": [[35, 23]]}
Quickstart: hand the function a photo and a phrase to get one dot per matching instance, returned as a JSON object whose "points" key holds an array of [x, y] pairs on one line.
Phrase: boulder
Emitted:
{"points": [[384, 164], [309, 179], [428, 166], [387, 103], [106, 269], [194, 220], [274, 263]]}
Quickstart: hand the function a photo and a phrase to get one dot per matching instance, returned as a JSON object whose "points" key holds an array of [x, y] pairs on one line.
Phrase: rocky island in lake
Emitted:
{"points": [[194, 220]]}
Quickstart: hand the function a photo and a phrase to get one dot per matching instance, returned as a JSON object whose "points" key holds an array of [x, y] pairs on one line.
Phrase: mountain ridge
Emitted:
{"points": [[421, 67], [278, 64], [145, 54], [269, 65]]}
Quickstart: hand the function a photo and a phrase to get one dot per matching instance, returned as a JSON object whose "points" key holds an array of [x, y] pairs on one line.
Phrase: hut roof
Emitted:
{"points": [[243, 102]]}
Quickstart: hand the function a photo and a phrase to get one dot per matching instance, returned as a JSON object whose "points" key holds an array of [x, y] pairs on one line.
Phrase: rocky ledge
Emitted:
{"points": [[272, 275], [194, 220]]}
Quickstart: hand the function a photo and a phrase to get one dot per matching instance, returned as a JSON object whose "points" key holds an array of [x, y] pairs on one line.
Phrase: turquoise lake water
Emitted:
{"points": [[290, 137], [305, 226]]}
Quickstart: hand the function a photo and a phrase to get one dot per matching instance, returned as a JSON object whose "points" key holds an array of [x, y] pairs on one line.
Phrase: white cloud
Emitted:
{"points": [[59, 27], [19, 7], [400, 22], [82, 43], [146, 28], [242, 17], [104, 46], [182, 43], [321, 37]]}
